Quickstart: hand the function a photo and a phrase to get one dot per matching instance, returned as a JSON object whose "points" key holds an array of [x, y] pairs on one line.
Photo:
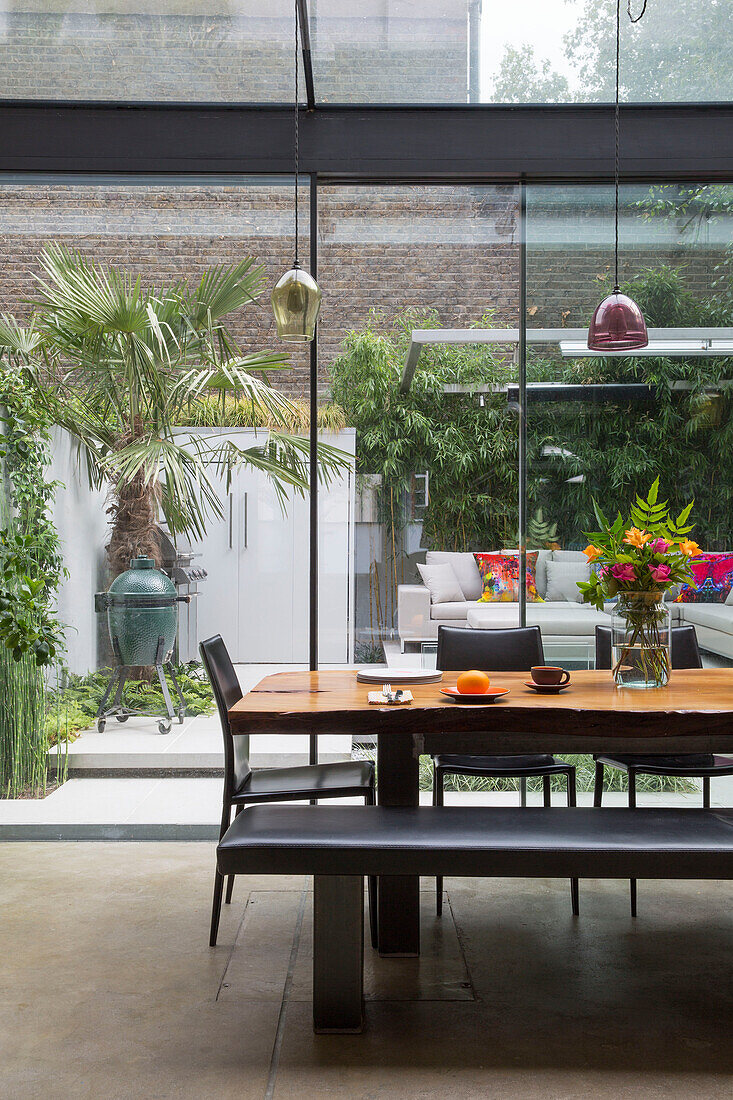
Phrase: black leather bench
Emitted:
{"points": [[339, 845]]}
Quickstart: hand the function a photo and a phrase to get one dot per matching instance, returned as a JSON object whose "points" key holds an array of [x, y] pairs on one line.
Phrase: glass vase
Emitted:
{"points": [[640, 637]]}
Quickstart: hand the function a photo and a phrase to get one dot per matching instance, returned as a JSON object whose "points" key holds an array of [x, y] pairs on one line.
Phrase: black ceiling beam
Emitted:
{"points": [[305, 45], [565, 142]]}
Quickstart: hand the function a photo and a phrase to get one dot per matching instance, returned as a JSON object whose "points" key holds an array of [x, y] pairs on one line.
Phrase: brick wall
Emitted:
{"points": [[452, 249], [162, 232]]}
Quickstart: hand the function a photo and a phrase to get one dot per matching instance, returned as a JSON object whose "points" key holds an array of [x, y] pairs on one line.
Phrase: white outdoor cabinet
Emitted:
{"points": [[256, 594]]}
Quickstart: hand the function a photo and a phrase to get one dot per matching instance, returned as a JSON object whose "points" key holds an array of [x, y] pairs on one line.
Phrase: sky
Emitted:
{"points": [[540, 23]]}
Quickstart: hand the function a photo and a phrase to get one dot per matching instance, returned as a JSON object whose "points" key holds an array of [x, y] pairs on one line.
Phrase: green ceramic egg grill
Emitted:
{"points": [[142, 616]]}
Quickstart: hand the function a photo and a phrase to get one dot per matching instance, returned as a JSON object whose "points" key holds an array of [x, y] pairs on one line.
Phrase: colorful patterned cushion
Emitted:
{"points": [[500, 576], [713, 574]]}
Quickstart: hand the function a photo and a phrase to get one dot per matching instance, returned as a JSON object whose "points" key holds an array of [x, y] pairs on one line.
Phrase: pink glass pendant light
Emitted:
{"points": [[618, 324]]}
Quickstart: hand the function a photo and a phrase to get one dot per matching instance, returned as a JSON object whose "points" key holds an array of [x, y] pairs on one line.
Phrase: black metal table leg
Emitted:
{"points": [[179, 693], [164, 689], [122, 676], [338, 953], [398, 902], [116, 675]]}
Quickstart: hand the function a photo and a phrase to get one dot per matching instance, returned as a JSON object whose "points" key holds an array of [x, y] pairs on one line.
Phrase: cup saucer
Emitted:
{"points": [[547, 689]]}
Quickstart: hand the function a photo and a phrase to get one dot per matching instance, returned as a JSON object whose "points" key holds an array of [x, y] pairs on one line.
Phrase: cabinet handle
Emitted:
{"points": [[231, 512], [245, 521]]}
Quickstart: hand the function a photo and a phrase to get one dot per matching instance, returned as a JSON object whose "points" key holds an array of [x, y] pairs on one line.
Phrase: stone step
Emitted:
{"points": [[190, 809]]}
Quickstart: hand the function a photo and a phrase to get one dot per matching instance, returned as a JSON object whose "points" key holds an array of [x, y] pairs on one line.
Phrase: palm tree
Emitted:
{"points": [[120, 367]]}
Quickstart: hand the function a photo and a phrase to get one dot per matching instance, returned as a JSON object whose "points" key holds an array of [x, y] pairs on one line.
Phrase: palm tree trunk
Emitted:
{"points": [[133, 516]]}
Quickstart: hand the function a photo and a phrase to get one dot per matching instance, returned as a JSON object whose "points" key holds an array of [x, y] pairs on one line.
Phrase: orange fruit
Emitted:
{"points": [[473, 682]]}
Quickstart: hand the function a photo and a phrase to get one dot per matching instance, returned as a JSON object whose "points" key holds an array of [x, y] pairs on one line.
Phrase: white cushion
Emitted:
{"points": [[562, 578], [729, 599], [463, 565], [541, 571], [441, 582], [561, 618], [451, 611], [493, 616], [569, 555], [566, 619], [716, 616]]}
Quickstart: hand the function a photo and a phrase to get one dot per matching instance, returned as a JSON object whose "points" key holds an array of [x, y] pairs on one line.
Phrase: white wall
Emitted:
{"points": [[256, 594], [79, 515]]}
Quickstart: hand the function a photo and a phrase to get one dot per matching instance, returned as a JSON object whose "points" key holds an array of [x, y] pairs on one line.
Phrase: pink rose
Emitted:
{"points": [[603, 572], [623, 572], [661, 572], [660, 546]]}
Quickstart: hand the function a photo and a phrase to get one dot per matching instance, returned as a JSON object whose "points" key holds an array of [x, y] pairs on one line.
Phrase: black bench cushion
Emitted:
{"points": [[478, 841]]}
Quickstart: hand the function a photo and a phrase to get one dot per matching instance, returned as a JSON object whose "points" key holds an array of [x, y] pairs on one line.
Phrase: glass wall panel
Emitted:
{"points": [[165, 232], [375, 51], [531, 51], [234, 51], [535, 51], [636, 417], [394, 51], [435, 470]]}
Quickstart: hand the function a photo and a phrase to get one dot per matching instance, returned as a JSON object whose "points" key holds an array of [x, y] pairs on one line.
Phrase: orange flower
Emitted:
{"points": [[689, 548], [635, 537], [592, 552]]}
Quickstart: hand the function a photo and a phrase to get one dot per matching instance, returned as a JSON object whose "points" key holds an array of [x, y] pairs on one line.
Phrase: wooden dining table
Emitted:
{"points": [[693, 713]]}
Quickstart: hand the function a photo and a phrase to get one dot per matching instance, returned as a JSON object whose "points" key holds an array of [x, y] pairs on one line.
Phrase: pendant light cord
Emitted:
{"points": [[616, 120], [297, 93], [616, 135]]}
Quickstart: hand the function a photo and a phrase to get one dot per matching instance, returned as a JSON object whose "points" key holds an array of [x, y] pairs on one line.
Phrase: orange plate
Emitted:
{"points": [[483, 697]]}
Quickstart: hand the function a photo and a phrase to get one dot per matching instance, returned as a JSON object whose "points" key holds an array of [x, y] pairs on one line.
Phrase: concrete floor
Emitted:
{"points": [[108, 989]]}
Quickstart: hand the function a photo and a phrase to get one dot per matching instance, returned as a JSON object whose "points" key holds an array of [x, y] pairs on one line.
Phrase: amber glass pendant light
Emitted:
{"points": [[618, 324], [296, 298]]}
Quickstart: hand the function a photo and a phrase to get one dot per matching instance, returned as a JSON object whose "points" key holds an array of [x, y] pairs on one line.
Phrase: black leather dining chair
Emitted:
{"points": [[515, 650], [684, 653], [243, 787]]}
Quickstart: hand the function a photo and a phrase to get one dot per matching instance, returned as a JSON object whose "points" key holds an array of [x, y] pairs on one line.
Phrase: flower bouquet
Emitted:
{"points": [[635, 561]]}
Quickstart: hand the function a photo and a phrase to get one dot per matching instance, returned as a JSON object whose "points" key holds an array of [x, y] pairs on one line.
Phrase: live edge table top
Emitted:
{"points": [[693, 713]]}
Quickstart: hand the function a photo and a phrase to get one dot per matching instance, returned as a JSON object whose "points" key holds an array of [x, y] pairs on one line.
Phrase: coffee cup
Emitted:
{"points": [[549, 675]]}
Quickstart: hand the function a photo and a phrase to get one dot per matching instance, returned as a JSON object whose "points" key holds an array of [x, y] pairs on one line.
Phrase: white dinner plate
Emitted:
{"points": [[381, 674]]}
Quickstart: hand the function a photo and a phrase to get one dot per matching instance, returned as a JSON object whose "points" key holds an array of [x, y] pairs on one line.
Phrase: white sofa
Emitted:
{"points": [[561, 621]]}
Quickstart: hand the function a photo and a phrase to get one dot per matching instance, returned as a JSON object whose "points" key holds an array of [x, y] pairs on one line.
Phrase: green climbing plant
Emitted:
{"points": [[31, 568]]}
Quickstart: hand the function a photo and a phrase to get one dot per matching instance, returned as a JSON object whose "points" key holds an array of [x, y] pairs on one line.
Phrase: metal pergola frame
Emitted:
{"points": [[478, 142], [469, 143], [688, 343]]}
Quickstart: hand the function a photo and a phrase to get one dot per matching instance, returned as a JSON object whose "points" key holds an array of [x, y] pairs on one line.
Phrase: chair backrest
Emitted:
{"points": [[513, 650], [683, 643], [227, 692]]}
